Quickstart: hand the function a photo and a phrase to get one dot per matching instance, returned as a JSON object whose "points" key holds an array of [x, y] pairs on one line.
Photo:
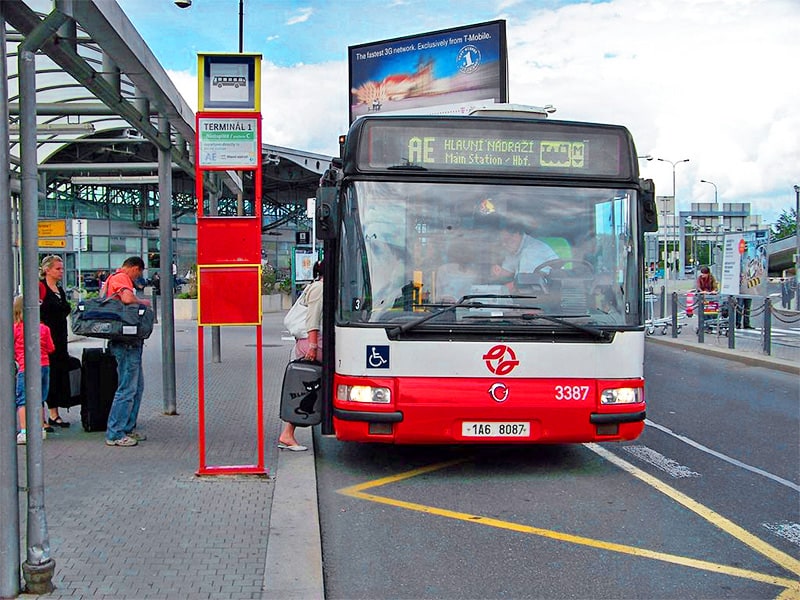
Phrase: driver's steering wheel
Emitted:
{"points": [[555, 270], [577, 269]]}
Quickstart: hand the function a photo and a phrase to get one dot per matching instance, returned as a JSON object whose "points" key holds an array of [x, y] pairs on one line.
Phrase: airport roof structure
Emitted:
{"points": [[100, 94]]}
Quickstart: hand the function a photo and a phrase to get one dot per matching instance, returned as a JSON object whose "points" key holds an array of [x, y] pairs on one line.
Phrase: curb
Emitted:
{"points": [[777, 364], [293, 567]]}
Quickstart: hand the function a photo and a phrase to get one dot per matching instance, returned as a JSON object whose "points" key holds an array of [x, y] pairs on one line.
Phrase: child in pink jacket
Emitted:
{"points": [[47, 346]]}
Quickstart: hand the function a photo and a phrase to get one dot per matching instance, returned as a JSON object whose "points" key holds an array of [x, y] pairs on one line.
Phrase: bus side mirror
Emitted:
{"points": [[649, 209], [327, 216]]}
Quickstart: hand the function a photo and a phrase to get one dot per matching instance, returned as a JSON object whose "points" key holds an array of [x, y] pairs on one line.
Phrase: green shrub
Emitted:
{"points": [[268, 281], [285, 286], [192, 293], [271, 284]]}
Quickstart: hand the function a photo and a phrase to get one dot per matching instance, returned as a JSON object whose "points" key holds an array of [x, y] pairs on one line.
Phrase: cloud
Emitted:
{"points": [[697, 79], [305, 106], [304, 14], [187, 86]]}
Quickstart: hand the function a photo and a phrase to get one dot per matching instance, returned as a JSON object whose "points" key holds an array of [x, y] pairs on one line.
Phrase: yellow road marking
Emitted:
{"points": [[781, 559], [349, 491], [358, 491], [789, 594]]}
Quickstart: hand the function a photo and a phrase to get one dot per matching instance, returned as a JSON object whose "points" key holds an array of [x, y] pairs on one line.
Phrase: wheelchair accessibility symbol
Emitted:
{"points": [[377, 357]]}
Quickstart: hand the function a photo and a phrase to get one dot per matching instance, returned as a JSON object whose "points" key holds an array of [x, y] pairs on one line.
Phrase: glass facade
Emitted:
{"points": [[119, 223]]}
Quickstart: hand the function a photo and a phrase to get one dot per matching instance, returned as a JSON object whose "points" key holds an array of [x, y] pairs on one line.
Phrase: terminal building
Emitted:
{"points": [[104, 110], [695, 237]]}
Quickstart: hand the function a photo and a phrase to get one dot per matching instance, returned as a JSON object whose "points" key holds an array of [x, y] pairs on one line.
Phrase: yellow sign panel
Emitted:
{"points": [[229, 82], [52, 243], [53, 229]]}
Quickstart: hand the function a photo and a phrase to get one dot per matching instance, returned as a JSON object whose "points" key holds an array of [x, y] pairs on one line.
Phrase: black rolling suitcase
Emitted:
{"points": [[75, 371], [301, 392], [98, 386]]}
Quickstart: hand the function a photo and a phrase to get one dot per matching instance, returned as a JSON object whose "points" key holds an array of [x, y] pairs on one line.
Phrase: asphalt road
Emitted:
{"points": [[706, 504]]}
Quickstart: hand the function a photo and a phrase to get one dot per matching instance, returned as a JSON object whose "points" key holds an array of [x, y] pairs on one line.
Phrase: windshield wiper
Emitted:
{"points": [[562, 320], [464, 302], [467, 301]]}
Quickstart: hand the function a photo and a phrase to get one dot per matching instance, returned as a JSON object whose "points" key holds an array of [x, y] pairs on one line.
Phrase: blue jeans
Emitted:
{"points": [[125, 408], [20, 389]]}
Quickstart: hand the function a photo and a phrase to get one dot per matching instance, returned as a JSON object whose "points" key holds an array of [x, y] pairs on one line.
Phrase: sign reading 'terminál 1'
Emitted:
{"points": [[227, 143]]}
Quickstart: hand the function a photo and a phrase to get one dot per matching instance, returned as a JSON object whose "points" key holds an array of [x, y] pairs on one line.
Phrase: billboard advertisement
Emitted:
{"points": [[460, 66], [745, 263], [304, 259]]}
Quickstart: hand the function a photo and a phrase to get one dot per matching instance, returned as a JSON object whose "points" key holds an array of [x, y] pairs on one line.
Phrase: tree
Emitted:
{"points": [[786, 225]]}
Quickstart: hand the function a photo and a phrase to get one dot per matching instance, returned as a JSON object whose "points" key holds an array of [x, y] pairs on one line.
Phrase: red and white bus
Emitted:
{"points": [[484, 281]]}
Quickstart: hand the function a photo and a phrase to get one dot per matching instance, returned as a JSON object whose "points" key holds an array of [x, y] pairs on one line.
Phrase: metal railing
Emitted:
{"points": [[731, 322]]}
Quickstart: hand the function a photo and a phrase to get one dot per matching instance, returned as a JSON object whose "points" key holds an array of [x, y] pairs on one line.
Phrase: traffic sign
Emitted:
{"points": [[80, 241]]}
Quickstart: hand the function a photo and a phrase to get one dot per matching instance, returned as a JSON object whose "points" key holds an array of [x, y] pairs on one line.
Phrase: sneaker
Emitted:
{"points": [[22, 438], [123, 441], [44, 433], [135, 435]]}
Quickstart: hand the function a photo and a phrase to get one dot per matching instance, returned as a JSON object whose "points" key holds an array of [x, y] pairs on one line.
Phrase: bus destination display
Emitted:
{"points": [[554, 148], [496, 152]]}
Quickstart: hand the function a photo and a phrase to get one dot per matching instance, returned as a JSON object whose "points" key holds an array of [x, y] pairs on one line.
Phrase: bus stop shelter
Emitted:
{"points": [[86, 104]]}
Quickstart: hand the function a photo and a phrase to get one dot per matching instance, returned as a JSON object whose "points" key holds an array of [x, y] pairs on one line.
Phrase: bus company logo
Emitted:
{"points": [[501, 359]]}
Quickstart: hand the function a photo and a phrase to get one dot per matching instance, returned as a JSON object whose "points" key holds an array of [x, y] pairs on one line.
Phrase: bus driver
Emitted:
{"points": [[525, 254]]}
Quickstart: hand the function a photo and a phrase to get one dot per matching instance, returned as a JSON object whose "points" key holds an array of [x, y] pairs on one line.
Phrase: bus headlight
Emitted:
{"points": [[363, 393], [621, 396]]}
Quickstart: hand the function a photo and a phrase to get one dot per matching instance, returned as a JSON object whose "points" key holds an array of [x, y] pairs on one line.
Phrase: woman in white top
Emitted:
{"points": [[309, 347]]}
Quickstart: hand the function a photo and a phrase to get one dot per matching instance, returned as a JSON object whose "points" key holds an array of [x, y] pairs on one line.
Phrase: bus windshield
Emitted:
{"points": [[488, 256]]}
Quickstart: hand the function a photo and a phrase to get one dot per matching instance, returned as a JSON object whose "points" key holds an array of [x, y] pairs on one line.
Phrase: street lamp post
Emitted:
{"points": [[674, 163], [241, 26], [188, 3], [715, 191], [797, 246], [716, 203]]}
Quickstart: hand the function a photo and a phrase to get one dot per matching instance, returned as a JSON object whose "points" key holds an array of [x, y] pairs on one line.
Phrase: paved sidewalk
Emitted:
{"points": [[137, 523], [749, 346]]}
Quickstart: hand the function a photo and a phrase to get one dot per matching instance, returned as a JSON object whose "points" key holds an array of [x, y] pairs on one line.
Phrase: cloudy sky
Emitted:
{"points": [[705, 80]]}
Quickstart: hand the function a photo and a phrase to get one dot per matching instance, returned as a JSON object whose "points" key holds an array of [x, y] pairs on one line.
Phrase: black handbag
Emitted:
{"points": [[301, 393], [110, 319]]}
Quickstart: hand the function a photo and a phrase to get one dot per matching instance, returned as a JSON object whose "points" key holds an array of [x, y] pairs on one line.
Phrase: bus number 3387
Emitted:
{"points": [[571, 392]]}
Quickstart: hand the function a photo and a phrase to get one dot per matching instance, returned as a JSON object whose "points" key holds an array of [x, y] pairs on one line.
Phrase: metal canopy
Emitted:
{"points": [[99, 93], [79, 68]]}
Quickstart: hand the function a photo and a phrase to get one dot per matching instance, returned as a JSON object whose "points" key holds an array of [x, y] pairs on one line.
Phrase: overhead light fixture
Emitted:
{"points": [[115, 180], [55, 128]]}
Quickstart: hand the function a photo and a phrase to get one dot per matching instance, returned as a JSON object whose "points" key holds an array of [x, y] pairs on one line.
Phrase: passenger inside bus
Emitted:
{"points": [[385, 246], [604, 305], [455, 279]]}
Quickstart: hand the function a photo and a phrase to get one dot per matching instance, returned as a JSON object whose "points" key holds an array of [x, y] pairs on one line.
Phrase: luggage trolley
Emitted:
{"points": [[651, 324], [715, 315]]}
